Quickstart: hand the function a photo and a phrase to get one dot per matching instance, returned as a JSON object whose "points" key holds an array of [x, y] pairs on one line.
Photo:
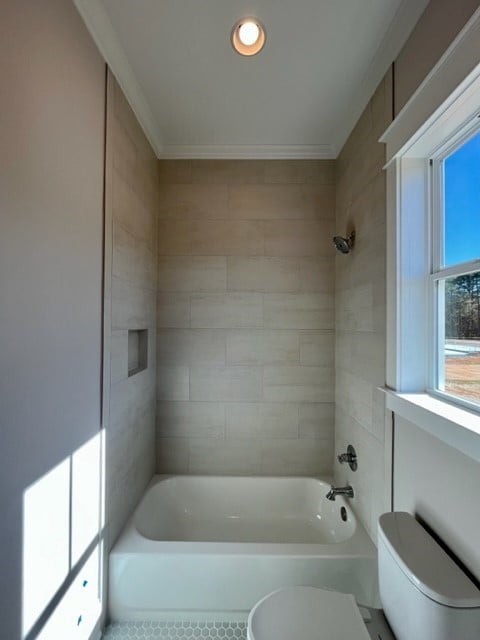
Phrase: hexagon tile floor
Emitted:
{"points": [[176, 631]]}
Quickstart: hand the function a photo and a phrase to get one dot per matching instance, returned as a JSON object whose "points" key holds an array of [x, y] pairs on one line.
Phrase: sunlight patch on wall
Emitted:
{"points": [[62, 517], [85, 497], [79, 610], [46, 532]]}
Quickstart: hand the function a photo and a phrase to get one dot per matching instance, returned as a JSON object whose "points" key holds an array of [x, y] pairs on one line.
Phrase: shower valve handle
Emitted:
{"points": [[349, 457]]}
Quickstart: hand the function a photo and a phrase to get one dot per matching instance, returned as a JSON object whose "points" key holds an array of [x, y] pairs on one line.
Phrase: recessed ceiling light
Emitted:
{"points": [[248, 36]]}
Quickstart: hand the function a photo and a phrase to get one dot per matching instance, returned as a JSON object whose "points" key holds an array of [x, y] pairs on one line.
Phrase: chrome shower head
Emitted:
{"points": [[344, 244]]}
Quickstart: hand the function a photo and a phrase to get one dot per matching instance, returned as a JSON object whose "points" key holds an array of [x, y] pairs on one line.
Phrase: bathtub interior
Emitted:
{"points": [[226, 509]]}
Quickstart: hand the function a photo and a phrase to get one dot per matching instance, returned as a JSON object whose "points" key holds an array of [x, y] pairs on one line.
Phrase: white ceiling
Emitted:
{"points": [[300, 97]]}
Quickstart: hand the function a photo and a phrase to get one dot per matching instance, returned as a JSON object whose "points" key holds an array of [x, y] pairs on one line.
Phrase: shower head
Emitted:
{"points": [[344, 244]]}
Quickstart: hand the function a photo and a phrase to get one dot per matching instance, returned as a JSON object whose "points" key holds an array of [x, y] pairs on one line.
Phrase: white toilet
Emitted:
{"points": [[425, 596]]}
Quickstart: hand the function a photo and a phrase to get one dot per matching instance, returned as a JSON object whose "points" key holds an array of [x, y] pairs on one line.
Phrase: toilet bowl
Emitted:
{"points": [[424, 593]]}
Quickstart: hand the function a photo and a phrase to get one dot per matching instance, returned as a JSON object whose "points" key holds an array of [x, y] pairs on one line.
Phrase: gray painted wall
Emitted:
{"points": [[439, 485], [51, 220]]}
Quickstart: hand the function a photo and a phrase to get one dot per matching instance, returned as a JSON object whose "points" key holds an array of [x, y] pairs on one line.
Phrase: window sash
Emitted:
{"points": [[438, 273]]}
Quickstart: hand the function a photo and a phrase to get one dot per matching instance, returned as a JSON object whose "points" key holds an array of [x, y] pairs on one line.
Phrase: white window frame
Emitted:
{"points": [[440, 112]]}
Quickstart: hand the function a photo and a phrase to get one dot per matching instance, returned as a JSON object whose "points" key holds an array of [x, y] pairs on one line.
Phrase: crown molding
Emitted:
{"points": [[248, 152], [400, 28], [98, 24]]}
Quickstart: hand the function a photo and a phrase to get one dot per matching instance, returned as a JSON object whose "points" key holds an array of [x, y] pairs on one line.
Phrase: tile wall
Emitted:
{"points": [[245, 309], [131, 203], [360, 307]]}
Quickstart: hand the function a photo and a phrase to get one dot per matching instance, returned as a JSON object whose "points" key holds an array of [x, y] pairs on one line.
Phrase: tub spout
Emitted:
{"points": [[340, 491]]}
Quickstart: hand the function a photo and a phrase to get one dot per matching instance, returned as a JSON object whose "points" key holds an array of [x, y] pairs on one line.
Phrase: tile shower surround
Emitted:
{"points": [[132, 204], [360, 308], [245, 317]]}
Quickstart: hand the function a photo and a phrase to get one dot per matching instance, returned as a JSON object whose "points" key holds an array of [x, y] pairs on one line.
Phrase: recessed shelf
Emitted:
{"points": [[137, 351]]}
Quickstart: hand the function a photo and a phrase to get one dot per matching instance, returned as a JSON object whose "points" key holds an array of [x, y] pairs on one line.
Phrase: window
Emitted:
{"points": [[455, 276], [433, 257]]}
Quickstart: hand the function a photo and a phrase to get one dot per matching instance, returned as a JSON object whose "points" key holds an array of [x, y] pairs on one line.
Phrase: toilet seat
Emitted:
{"points": [[306, 613]]}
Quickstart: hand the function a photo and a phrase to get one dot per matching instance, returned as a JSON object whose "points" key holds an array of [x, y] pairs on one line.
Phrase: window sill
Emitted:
{"points": [[455, 426]]}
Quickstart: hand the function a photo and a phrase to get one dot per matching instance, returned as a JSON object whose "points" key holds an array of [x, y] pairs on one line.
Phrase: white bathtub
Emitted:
{"points": [[203, 546]]}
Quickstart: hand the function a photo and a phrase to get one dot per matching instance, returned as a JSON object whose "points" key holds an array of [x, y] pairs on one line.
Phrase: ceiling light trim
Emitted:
{"points": [[101, 29], [248, 152], [248, 49]]}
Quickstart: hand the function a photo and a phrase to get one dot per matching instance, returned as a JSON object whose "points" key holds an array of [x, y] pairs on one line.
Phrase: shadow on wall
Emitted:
{"points": [[63, 525]]}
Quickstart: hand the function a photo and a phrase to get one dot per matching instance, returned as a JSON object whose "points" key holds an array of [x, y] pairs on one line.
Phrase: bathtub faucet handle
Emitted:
{"points": [[350, 457]]}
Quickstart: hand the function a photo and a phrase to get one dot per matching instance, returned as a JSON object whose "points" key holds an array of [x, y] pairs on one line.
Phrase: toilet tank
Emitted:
{"points": [[424, 594]]}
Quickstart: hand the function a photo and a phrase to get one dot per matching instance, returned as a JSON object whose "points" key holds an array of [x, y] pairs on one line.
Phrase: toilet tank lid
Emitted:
{"points": [[425, 563]]}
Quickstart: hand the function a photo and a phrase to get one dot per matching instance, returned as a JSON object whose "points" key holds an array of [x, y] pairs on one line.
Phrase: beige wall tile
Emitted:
{"points": [[362, 354], [173, 310], [125, 156], [129, 211], [118, 418], [262, 347], [227, 310], [133, 260], [298, 384], [228, 171], [125, 118], [281, 202], [360, 306], [269, 225], [230, 457], [355, 396], [280, 275], [317, 274], [190, 346], [172, 455], [174, 237], [300, 172], [174, 171], [317, 348], [261, 420], [316, 421], [229, 384], [299, 238], [173, 383], [296, 457], [190, 419], [193, 201], [369, 477], [299, 311], [132, 307], [227, 237], [119, 356], [141, 396], [355, 308], [263, 274], [212, 237], [192, 273]]}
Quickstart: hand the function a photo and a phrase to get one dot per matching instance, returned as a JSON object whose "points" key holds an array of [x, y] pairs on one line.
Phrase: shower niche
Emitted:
{"points": [[137, 351]]}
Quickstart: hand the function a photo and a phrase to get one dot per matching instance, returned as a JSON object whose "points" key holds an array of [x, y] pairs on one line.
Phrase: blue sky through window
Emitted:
{"points": [[462, 203]]}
